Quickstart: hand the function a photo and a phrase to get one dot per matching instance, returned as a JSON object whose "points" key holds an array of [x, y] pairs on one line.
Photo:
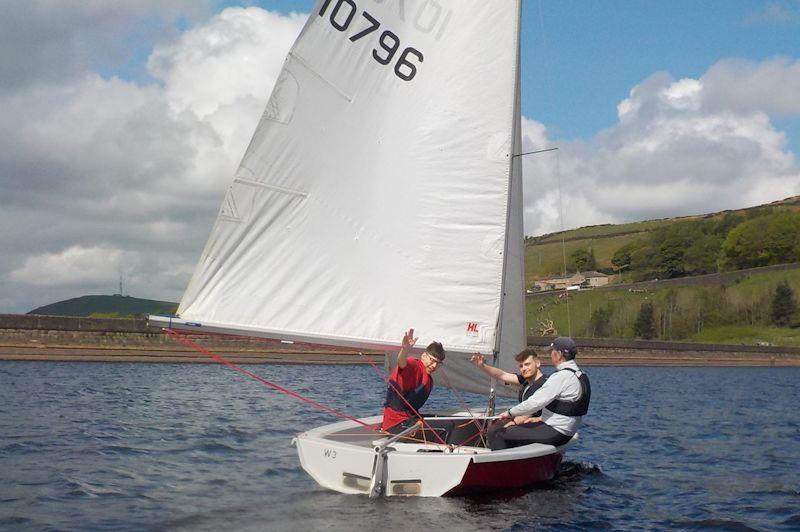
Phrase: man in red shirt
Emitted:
{"points": [[412, 379]]}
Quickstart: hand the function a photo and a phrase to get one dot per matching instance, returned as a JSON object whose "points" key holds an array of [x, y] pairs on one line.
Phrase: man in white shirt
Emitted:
{"points": [[563, 399]]}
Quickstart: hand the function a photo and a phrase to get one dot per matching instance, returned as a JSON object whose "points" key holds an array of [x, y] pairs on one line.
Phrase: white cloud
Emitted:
{"points": [[775, 14], [74, 266], [53, 40], [740, 86], [229, 58], [689, 146], [89, 159], [141, 165]]}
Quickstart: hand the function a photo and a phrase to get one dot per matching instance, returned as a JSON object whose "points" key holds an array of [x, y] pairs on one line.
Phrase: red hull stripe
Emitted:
{"points": [[489, 476]]}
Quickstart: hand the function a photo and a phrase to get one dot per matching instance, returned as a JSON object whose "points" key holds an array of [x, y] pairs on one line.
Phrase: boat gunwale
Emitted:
{"points": [[477, 454]]}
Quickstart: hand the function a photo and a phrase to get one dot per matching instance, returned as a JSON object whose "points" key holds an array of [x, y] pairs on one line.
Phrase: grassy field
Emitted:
{"points": [[734, 313], [607, 230], [548, 259], [571, 315], [749, 335], [547, 256]]}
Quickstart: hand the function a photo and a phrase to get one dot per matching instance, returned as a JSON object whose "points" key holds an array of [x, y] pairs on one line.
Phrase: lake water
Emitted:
{"points": [[200, 447]]}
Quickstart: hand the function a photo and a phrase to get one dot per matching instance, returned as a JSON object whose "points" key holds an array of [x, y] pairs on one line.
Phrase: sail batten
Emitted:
{"points": [[374, 195]]}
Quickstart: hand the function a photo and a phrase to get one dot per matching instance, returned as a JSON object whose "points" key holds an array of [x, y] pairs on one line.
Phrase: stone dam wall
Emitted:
{"points": [[57, 338]]}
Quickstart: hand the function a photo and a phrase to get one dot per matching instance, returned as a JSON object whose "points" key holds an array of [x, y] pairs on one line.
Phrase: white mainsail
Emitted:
{"points": [[380, 190]]}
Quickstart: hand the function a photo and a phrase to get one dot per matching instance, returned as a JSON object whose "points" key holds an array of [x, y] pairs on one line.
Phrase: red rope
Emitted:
{"points": [[484, 431], [185, 341], [382, 374], [466, 407], [314, 347], [481, 430], [179, 336]]}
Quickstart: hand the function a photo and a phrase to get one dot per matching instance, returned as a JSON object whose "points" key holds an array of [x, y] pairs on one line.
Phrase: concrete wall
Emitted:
{"points": [[594, 351], [24, 337], [652, 345], [73, 323]]}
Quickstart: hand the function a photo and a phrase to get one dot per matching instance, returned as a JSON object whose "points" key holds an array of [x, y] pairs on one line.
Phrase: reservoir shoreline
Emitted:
{"points": [[72, 339]]}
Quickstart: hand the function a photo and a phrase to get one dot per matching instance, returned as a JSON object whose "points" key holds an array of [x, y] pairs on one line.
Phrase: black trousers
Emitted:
{"points": [[518, 435]]}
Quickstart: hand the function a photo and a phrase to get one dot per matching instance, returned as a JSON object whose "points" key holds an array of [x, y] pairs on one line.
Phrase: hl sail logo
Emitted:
{"points": [[472, 328]]}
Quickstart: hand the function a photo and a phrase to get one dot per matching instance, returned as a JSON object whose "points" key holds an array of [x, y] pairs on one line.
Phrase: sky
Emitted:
{"points": [[123, 123]]}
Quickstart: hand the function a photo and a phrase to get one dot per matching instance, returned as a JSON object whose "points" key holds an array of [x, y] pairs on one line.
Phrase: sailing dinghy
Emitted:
{"points": [[381, 190]]}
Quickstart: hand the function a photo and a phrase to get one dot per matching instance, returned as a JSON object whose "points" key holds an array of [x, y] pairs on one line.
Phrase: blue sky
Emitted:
{"points": [[594, 52]]}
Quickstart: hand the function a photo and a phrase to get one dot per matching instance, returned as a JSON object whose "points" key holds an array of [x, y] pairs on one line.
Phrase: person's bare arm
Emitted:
{"points": [[495, 373], [405, 347]]}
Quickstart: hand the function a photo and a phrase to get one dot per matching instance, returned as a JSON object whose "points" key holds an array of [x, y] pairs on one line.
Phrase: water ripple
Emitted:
{"points": [[185, 447]]}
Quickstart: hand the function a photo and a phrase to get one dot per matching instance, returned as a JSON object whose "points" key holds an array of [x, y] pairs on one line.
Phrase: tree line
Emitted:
{"points": [[674, 316], [760, 237]]}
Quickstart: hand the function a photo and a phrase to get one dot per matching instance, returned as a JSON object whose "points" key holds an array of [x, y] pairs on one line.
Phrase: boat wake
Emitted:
{"points": [[575, 470]]}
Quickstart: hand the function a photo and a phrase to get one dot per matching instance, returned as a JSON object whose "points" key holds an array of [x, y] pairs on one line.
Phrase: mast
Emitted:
{"points": [[514, 229]]}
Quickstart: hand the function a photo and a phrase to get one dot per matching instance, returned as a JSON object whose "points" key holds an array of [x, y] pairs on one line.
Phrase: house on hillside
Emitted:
{"points": [[590, 279], [595, 279], [558, 282]]}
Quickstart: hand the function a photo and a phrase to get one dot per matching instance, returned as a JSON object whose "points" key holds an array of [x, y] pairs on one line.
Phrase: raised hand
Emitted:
{"points": [[409, 340], [477, 359]]}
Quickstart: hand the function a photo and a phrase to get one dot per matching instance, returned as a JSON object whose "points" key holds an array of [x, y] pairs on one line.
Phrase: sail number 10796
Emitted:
{"points": [[342, 16]]}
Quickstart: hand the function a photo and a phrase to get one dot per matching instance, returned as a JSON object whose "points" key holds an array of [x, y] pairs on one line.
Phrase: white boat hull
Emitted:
{"points": [[417, 469]]}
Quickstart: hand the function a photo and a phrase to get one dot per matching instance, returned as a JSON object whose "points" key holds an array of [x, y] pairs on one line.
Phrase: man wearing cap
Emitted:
{"points": [[410, 383], [564, 400]]}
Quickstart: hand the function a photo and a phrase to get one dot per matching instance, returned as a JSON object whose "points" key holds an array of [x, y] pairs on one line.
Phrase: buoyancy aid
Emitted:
{"points": [[529, 389], [573, 408], [415, 397]]}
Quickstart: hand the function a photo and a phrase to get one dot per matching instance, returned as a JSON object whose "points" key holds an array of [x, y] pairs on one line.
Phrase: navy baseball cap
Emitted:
{"points": [[565, 345]]}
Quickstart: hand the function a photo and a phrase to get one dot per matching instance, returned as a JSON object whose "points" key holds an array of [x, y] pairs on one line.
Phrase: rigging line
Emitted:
{"points": [[485, 430], [473, 419], [535, 151], [188, 343], [549, 98], [184, 340], [464, 404], [389, 382], [317, 348], [563, 243], [231, 336]]}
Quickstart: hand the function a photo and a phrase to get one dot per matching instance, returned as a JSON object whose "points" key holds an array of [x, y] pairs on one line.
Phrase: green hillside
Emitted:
{"points": [[716, 288], [674, 247], [708, 309], [548, 258], [605, 230], [115, 306]]}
